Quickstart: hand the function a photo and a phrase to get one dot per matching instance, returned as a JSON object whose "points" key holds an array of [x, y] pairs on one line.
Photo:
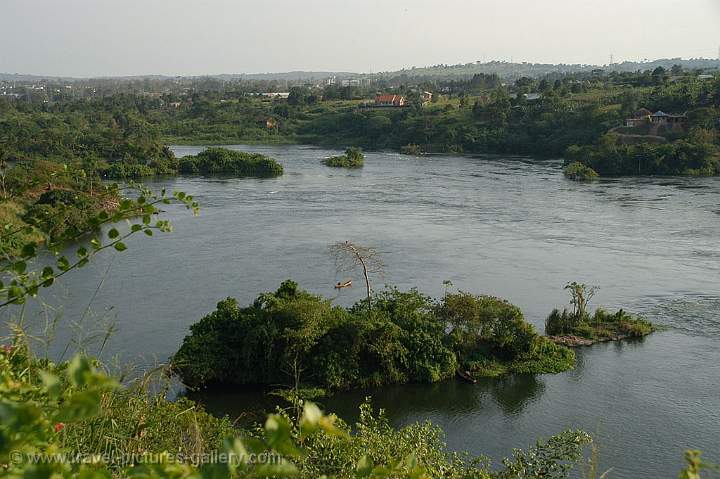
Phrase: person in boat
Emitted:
{"points": [[342, 285]]}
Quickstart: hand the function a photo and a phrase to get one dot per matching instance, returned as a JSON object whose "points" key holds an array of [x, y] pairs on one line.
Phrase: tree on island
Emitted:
{"points": [[349, 256]]}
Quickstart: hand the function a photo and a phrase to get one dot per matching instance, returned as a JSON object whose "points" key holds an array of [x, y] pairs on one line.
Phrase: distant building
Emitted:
{"points": [[640, 117], [705, 77], [390, 101], [175, 104], [278, 95], [351, 82], [426, 97], [662, 117]]}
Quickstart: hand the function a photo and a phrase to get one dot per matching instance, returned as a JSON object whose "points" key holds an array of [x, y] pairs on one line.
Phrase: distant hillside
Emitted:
{"points": [[287, 76], [506, 70], [513, 71]]}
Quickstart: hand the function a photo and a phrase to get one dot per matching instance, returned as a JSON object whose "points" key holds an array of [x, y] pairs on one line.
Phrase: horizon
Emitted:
{"points": [[98, 38], [335, 72]]}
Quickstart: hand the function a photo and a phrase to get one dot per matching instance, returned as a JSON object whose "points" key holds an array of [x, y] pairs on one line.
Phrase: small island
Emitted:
{"points": [[353, 158], [578, 172], [295, 338], [230, 162], [579, 328]]}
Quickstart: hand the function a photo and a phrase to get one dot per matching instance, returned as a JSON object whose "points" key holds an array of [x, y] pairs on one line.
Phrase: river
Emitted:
{"points": [[505, 226]]}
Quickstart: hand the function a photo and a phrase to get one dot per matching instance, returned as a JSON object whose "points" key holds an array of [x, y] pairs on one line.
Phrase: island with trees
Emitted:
{"points": [[293, 337], [352, 158], [580, 328], [239, 164]]}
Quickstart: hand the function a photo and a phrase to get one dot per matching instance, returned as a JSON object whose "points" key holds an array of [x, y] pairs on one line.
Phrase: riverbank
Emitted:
{"points": [[43, 201], [577, 341]]}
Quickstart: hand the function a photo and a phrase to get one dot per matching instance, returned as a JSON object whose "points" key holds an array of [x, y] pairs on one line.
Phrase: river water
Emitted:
{"points": [[505, 226]]}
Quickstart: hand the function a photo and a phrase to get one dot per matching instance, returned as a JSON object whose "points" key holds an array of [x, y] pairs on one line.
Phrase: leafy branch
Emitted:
{"points": [[138, 212]]}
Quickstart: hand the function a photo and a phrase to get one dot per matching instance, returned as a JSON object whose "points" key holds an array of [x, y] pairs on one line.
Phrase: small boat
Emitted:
{"points": [[346, 284], [466, 376]]}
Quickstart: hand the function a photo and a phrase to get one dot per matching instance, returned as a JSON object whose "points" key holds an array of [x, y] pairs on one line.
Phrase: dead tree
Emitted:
{"points": [[350, 256]]}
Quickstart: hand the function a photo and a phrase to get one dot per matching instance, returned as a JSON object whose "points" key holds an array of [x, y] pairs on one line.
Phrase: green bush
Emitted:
{"points": [[579, 172], [353, 158]]}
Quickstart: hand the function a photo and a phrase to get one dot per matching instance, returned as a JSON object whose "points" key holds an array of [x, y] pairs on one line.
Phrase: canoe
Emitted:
{"points": [[346, 284], [466, 376]]}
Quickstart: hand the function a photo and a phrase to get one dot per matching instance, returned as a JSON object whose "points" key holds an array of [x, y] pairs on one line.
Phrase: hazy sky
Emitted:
{"points": [[190, 37]]}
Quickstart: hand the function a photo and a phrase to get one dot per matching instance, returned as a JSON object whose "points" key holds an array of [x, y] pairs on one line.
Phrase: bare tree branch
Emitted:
{"points": [[350, 256]]}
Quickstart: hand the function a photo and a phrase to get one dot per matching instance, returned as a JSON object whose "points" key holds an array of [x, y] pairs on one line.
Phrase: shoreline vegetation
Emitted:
{"points": [[73, 409], [580, 117], [44, 201]]}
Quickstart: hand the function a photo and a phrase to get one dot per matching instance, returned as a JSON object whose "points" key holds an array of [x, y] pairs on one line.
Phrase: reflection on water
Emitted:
{"points": [[503, 226], [512, 393], [401, 402]]}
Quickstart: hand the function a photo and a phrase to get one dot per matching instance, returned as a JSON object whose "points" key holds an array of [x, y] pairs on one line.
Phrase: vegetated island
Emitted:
{"points": [[577, 171], [293, 337], [579, 328], [230, 162], [352, 158]]}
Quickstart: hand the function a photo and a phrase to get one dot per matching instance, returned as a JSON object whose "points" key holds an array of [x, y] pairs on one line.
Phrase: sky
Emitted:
{"points": [[191, 37]]}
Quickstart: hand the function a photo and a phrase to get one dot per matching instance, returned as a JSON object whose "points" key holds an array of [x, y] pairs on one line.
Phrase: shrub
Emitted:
{"points": [[558, 323], [353, 158], [579, 172], [544, 356]]}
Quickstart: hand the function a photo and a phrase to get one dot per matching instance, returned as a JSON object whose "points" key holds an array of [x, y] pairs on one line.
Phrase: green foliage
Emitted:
{"points": [[485, 325], [602, 325], [611, 157], [696, 465], [291, 336], [553, 459], [230, 162], [46, 200], [579, 172], [18, 282], [353, 158], [543, 356]]}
